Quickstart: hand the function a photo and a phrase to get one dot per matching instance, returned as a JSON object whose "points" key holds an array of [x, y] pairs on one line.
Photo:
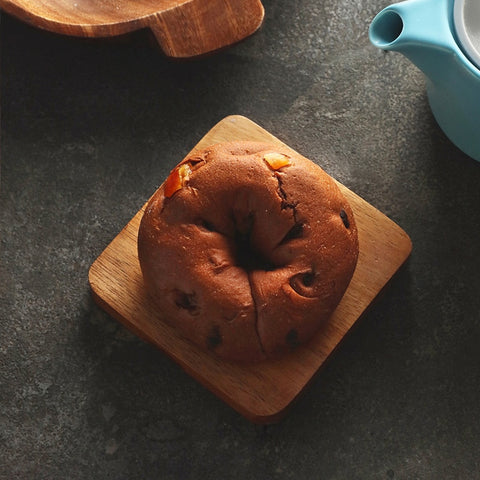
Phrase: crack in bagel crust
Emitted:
{"points": [[257, 332], [257, 245], [286, 204]]}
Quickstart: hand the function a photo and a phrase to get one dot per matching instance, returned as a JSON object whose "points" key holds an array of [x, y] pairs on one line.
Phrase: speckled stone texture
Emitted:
{"points": [[89, 129]]}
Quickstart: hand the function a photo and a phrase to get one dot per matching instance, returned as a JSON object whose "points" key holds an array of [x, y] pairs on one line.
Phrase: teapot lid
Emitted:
{"points": [[466, 16]]}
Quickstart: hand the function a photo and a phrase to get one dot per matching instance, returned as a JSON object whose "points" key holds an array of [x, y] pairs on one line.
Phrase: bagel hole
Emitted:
{"points": [[246, 255]]}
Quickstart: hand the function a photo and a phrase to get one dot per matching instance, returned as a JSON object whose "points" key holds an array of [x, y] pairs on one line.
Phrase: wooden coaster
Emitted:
{"points": [[261, 392]]}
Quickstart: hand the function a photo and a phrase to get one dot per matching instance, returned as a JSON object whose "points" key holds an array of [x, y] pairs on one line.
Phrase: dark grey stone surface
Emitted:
{"points": [[90, 128]]}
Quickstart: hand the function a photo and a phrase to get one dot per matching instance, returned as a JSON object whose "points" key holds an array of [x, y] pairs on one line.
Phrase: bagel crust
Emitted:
{"points": [[247, 248]]}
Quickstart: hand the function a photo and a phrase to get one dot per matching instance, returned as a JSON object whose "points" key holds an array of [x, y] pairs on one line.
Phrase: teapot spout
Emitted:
{"points": [[386, 29], [415, 28]]}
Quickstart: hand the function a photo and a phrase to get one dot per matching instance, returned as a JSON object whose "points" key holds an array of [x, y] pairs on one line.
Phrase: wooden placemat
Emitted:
{"points": [[261, 392]]}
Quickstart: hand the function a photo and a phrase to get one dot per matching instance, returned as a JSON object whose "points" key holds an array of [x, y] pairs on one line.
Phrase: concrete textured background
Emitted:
{"points": [[88, 131]]}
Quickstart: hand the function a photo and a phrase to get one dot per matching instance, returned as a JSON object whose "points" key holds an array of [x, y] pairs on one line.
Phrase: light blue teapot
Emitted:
{"points": [[442, 38]]}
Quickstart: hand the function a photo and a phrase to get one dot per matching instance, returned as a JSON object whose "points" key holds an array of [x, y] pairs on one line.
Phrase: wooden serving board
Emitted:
{"points": [[183, 28], [261, 392]]}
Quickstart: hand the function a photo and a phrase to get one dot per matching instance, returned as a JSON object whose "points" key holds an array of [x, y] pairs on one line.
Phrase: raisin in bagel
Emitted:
{"points": [[247, 248]]}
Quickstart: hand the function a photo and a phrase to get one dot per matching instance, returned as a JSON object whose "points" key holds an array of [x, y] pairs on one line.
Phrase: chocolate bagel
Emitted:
{"points": [[247, 248]]}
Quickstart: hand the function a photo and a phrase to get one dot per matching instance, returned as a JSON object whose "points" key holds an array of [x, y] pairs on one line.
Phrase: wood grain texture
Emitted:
{"points": [[183, 28], [262, 392]]}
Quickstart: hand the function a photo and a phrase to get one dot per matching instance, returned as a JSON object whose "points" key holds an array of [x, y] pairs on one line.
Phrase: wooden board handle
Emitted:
{"points": [[198, 27]]}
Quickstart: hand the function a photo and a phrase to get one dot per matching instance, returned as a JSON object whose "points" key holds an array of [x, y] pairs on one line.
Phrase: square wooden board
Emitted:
{"points": [[261, 392]]}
